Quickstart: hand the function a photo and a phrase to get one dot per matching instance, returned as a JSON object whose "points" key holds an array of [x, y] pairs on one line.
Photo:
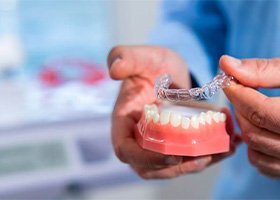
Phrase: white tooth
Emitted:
{"points": [[209, 115], [195, 122], [175, 119], [223, 117], [202, 118], [164, 117], [156, 118], [149, 115], [146, 109], [154, 108], [209, 112], [185, 122], [216, 117]]}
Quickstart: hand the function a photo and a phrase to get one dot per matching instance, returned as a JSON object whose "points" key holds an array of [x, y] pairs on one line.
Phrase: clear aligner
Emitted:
{"points": [[163, 92]]}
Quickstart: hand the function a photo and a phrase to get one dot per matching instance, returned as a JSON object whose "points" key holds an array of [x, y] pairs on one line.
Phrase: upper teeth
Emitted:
{"points": [[176, 119]]}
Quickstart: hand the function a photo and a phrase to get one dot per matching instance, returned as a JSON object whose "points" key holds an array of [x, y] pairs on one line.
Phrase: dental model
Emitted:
{"points": [[177, 130], [162, 92]]}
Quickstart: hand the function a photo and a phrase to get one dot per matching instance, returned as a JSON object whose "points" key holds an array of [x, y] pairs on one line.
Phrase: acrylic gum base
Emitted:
{"points": [[182, 131]]}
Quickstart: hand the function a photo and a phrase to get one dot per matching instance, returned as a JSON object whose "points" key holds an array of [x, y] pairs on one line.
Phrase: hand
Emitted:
{"points": [[138, 66], [258, 115]]}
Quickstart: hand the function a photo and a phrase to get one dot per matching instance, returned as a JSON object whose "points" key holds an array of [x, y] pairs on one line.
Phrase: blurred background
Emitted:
{"points": [[56, 99]]}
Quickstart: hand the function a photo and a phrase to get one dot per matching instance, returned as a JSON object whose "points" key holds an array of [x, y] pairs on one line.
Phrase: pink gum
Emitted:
{"points": [[166, 139]]}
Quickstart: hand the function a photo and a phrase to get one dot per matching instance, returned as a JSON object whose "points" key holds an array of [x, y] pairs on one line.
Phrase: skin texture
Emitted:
{"points": [[258, 115], [137, 67]]}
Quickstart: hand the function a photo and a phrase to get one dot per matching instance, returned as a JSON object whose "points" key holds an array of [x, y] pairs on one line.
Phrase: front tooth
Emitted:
{"points": [[209, 117], [223, 117], [175, 119], [156, 118], [164, 117], [216, 117], [202, 118], [185, 122], [209, 112], [195, 122]]}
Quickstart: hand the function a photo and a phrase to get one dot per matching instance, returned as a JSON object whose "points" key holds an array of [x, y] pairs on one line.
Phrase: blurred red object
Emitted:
{"points": [[61, 71]]}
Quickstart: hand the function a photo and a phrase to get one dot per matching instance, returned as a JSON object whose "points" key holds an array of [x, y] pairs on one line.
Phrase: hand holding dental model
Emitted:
{"points": [[138, 67], [258, 115]]}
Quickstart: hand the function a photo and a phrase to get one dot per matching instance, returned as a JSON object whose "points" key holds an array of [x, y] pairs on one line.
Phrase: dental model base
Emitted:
{"points": [[163, 92], [176, 130]]}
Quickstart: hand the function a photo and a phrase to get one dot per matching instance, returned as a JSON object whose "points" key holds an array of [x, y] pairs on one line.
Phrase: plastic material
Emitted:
{"points": [[206, 92], [182, 131]]}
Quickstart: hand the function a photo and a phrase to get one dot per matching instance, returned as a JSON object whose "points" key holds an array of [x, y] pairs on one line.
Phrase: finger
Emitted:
{"points": [[128, 151], [128, 61], [253, 72], [189, 165], [255, 107], [258, 138], [264, 162], [269, 174], [235, 138]]}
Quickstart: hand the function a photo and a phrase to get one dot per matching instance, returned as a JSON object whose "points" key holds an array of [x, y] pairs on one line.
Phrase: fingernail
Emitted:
{"points": [[202, 161], [234, 61], [173, 160], [116, 60]]}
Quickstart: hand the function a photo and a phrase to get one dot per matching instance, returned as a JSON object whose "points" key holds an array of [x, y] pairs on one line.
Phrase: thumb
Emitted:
{"points": [[255, 73], [128, 61]]}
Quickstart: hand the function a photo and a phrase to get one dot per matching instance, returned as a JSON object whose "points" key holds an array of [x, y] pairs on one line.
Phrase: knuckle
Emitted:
{"points": [[257, 117], [179, 170], [197, 166], [120, 153], [250, 138], [144, 175], [149, 164], [262, 66]]}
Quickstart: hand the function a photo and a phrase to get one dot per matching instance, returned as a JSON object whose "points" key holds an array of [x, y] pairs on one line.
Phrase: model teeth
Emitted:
{"points": [[202, 118], [175, 119], [216, 117], [156, 118], [223, 117], [209, 117], [185, 122], [164, 117], [150, 108], [195, 122]]}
